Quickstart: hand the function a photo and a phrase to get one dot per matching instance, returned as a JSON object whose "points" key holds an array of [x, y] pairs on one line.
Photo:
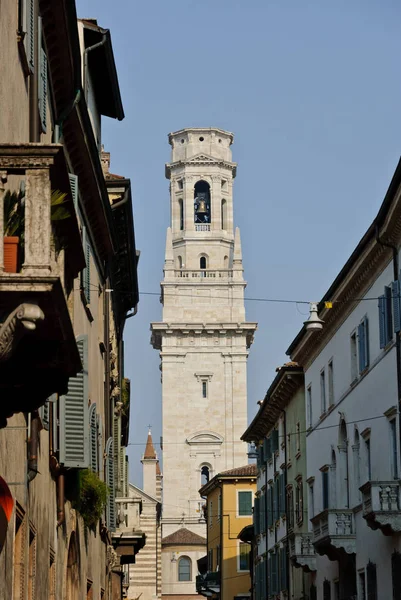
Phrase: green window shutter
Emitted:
{"points": [[44, 411], [93, 438], [282, 494], [110, 482], [395, 289], [74, 415], [275, 497], [117, 447], [244, 503], [274, 441], [100, 447], [270, 578], [122, 471], [256, 516], [74, 189], [42, 83], [85, 274], [126, 477], [274, 574], [29, 24], [266, 449], [382, 321], [269, 508]]}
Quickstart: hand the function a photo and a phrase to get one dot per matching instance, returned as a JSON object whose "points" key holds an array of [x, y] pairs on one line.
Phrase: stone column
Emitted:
{"points": [[37, 222], [216, 203], [3, 179], [188, 199]]}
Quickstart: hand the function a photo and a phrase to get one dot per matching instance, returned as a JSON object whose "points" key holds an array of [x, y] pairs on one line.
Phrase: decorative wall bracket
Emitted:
{"points": [[20, 322]]}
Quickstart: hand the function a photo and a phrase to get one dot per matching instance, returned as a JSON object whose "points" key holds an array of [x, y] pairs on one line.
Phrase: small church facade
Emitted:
{"points": [[203, 340]]}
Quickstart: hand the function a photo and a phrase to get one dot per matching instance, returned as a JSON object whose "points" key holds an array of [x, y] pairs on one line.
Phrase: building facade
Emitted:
{"points": [[204, 337], [67, 246], [284, 561], [352, 383], [229, 505]]}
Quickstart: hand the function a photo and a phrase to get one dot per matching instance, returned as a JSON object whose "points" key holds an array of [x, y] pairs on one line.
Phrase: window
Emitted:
{"points": [[210, 513], [331, 383], [396, 289], [298, 438], [205, 475], [311, 501], [202, 262], [299, 501], [180, 184], [368, 459], [244, 554], [361, 585], [371, 581], [354, 371], [325, 489], [179, 262], [204, 389], [393, 441], [385, 318], [219, 507], [244, 504], [326, 590], [323, 390], [223, 214], [184, 569], [290, 505], [181, 213], [309, 405], [363, 344], [202, 212]]}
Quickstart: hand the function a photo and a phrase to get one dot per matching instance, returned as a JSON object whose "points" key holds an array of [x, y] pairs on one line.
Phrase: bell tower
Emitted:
{"points": [[204, 337]]}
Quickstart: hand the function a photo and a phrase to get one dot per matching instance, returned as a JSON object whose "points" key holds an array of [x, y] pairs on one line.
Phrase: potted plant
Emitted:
{"points": [[13, 230], [14, 225]]}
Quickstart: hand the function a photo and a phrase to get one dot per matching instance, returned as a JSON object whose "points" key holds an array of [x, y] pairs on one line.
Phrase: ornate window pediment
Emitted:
{"points": [[204, 437]]}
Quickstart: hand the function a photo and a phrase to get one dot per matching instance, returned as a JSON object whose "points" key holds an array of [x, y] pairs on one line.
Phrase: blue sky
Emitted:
{"points": [[311, 90]]}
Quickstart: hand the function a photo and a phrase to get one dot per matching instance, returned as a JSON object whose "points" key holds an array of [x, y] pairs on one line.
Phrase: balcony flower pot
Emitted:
{"points": [[11, 251]]}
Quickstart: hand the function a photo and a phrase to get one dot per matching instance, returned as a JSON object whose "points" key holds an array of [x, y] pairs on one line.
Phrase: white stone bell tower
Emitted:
{"points": [[204, 337]]}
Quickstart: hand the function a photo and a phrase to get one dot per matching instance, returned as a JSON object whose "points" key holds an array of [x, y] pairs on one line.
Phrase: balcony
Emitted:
{"points": [[205, 274], [202, 226], [381, 502], [208, 584], [127, 545], [302, 551], [38, 351], [334, 533]]}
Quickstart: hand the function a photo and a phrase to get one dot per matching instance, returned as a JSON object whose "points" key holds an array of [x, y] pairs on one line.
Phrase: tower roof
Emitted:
{"points": [[150, 451]]}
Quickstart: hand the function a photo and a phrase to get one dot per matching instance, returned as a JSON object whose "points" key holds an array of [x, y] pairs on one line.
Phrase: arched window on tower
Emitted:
{"points": [[223, 214], [203, 262], [181, 213], [179, 262], [202, 212], [226, 262], [205, 475], [184, 569]]}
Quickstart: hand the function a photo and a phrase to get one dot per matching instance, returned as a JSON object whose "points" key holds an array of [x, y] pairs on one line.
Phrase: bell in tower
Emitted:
{"points": [[202, 202]]}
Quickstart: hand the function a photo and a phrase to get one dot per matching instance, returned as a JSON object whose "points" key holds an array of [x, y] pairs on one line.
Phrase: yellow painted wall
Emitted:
{"points": [[229, 525]]}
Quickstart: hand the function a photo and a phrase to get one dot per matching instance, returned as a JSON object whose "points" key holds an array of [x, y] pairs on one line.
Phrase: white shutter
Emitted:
{"points": [[111, 505], [74, 415], [29, 40], [74, 189], [42, 81]]}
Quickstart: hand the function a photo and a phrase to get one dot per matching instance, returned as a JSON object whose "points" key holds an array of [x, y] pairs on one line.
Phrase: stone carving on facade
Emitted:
{"points": [[111, 557], [20, 322]]}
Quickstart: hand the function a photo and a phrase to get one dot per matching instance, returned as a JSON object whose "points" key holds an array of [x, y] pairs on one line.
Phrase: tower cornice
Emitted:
{"points": [[201, 160]]}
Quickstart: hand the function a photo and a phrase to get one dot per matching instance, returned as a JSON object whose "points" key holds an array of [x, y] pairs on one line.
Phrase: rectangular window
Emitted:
{"points": [[325, 489], [309, 405], [363, 344], [354, 358], [244, 504], [298, 438], [393, 438], [204, 389], [331, 383], [244, 553], [368, 459], [180, 184], [311, 501], [361, 585], [323, 390], [385, 318]]}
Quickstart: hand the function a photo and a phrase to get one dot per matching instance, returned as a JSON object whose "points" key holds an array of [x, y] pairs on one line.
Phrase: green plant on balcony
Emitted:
{"points": [[125, 395], [91, 499]]}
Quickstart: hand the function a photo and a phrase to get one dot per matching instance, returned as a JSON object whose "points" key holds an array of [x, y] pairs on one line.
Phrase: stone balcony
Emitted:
{"points": [[381, 502], [203, 274], [334, 533], [302, 551], [38, 350]]}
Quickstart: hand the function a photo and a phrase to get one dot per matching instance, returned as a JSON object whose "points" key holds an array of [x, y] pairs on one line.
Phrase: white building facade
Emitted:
{"points": [[204, 337], [352, 411]]}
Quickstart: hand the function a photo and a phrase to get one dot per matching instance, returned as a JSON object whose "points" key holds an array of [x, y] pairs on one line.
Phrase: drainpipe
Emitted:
{"points": [[33, 443], [396, 271]]}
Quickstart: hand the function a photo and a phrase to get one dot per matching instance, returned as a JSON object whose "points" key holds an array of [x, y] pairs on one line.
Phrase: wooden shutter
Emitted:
{"points": [[361, 347], [283, 569], [256, 515], [273, 574], [29, 40], [100, 451], [395, 288], [74, 417], [382, 321], [117, 448], [274, 441], [111, 506], [244, 503], [122, 471], [282, 494], [74, 189], [389, 319], [85, 273], [269, 507], [93, 438]]}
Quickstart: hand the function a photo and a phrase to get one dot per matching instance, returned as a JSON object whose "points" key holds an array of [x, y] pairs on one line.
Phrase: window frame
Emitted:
{"points": [[244, 491], [354, 355], [330, 382], [180, 560], [323, 395], [309, 405], [239, 569]]}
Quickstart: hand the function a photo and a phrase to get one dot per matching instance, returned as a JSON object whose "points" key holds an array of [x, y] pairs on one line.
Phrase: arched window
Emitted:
{"points": [[226, 262], [205, 475], [333, 480], [223, 214], [179, 262], [343, 466], [203, 262], [357, 465], [184, 569], [181, 211], [202, 212]]}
